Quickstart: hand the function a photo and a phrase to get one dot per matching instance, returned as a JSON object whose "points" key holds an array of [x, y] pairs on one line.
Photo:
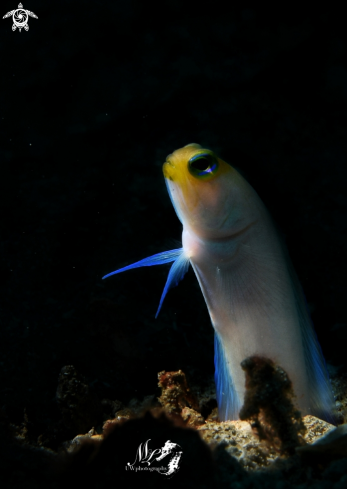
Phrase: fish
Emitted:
{"points": [[253, 295]]}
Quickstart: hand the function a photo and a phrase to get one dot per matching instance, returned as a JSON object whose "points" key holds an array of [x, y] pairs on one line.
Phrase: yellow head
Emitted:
{"points": [[206, 192]]}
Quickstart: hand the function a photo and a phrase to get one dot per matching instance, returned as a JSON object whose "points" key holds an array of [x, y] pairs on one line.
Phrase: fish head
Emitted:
{"points": [[205, 191]]}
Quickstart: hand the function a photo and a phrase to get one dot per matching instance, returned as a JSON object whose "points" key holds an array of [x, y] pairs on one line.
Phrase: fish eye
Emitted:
{"points": [[203, 165]]}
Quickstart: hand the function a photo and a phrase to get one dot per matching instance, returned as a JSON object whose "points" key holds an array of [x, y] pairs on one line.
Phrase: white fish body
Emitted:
{"points": [[249, 294]]}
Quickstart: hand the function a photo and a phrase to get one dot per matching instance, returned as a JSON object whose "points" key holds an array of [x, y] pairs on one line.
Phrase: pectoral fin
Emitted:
{"points": [[176, 274]]}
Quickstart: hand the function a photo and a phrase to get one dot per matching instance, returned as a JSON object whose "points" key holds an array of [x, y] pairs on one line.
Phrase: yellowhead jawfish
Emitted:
{"points": [[252, 293]]}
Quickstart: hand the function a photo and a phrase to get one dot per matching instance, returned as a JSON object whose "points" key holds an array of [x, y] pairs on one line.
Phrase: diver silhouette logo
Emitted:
{"points": [[145, 457], [20, 17]]}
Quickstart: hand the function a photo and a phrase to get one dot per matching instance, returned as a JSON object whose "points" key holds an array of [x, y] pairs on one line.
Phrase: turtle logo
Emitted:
{"points": [[20, 17]]}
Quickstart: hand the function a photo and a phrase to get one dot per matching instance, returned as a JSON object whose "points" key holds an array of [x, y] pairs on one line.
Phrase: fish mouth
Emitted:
{"points": [[168, 169], [236, 234], [169, 162]]}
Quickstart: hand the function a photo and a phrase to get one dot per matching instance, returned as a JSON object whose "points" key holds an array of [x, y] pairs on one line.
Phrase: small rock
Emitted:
{"points": [[192, 417]]}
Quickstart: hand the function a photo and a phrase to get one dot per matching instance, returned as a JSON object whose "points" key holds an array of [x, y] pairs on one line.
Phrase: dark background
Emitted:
{"points": [[93, 97]]}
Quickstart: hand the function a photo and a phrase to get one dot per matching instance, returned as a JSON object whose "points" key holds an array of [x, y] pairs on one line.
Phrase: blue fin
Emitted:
{"points": [[176, 274], [320, 389], [228, 401]]}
